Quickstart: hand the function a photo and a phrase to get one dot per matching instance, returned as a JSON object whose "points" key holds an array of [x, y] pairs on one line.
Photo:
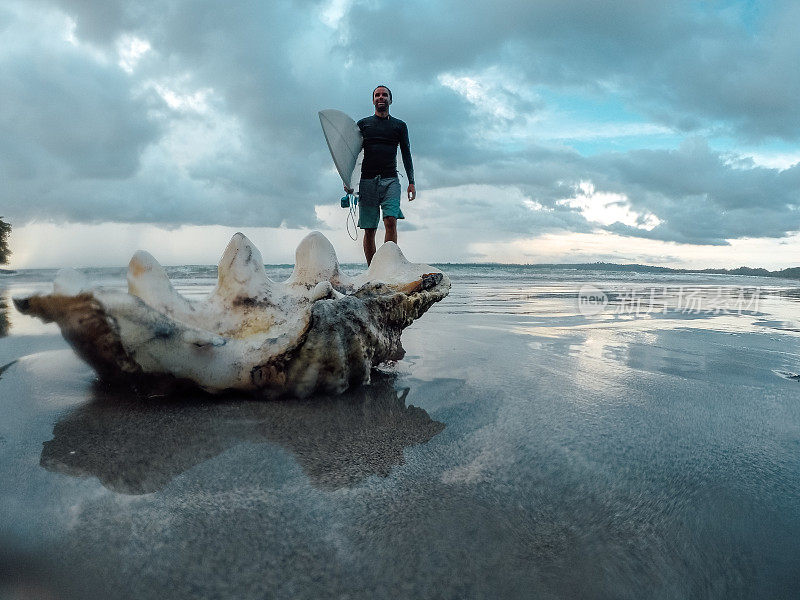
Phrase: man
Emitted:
{"points": [[379, 188]]}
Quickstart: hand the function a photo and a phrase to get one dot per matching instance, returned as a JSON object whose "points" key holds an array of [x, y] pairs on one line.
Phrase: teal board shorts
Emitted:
{"points": [[376, 195]]}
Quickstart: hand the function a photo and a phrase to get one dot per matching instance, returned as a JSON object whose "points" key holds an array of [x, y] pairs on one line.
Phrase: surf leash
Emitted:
{"points": [[350, 201]]}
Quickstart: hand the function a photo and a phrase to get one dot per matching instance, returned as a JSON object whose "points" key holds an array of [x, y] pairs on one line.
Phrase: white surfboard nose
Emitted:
{"points": [[344, 141]]}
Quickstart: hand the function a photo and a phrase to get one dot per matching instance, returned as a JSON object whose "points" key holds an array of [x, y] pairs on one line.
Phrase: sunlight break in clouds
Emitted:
{"points": [[480, 95], [607, 208], [131, 49]]}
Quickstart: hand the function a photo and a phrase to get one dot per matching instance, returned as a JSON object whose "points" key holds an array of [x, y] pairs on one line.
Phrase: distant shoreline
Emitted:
{"points": [[788, 273]]}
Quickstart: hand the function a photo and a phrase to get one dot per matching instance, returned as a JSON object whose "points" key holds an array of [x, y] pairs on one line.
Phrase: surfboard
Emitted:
{"points": [[344, 141]]}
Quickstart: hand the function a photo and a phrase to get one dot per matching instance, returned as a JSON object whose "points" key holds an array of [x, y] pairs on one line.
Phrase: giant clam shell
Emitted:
{"points": [[319, 330]]}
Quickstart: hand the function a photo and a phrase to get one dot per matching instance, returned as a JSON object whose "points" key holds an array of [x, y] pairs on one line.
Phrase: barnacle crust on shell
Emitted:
{"points": [[320, 330]]}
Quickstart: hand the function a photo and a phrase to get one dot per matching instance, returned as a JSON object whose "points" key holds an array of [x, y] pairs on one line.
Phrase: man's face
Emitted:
{"points": [[380, 98]]}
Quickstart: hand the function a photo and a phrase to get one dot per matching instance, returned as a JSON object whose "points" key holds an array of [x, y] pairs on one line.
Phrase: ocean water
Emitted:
{"points": [[550, 433]]}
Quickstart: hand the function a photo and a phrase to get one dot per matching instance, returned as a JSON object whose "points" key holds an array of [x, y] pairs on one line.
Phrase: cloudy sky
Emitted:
{"points": [[542, 130]]}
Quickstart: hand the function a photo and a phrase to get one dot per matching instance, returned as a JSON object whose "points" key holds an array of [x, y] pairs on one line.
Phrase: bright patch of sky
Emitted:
{"points": [[599, 122], [607, 208], [608, 247], [485, 96], [775, 154], [332, 14], [131, 49], [192, 101]]}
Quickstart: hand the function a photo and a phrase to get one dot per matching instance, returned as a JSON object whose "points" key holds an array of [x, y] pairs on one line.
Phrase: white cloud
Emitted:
{"points": [[191, 101], [607, 208], [480, 95], [334, 12], [604, 246], [774, 160], [130, 50]]}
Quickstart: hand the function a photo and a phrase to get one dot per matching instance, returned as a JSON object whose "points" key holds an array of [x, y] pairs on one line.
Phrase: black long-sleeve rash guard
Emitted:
{"points": [[381, 136]]}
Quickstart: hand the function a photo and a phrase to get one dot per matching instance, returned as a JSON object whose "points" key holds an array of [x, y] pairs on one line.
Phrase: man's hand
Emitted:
{"points": [[412, 192], [348, 190]]}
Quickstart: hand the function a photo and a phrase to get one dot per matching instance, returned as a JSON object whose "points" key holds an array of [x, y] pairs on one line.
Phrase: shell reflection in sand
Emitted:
{"points": [[136, 446]]}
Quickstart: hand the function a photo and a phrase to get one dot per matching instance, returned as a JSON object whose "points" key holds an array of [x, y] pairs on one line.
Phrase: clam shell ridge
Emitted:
{"points": [[319, 330]]}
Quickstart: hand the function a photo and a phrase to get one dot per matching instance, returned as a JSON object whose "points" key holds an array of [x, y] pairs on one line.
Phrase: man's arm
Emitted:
{"points": [[405, 152]]}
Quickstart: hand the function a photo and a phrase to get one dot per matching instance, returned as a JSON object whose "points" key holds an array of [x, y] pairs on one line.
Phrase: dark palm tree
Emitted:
{"points": [[5, 229]]}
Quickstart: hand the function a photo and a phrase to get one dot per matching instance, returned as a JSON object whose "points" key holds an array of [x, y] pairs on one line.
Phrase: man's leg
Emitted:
{"points": [[368, 219], [369, 244], [391, 209], [390, 223]]}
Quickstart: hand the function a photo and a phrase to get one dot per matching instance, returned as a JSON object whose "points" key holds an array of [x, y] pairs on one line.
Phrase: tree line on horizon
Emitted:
{"points": [[788, 273], [5, 230]]}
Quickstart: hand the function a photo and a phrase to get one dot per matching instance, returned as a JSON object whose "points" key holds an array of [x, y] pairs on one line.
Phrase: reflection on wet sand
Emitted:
{"points": [[136, 446], [791, 294]]}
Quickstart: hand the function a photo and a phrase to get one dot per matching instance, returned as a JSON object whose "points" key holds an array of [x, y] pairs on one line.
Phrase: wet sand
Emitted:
{"points": [[521, 449]]}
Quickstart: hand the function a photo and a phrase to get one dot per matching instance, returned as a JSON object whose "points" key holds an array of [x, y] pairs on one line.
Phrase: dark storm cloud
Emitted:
{"points": [[702, 196], [686, 64], [59, 111], [84, 141]]}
